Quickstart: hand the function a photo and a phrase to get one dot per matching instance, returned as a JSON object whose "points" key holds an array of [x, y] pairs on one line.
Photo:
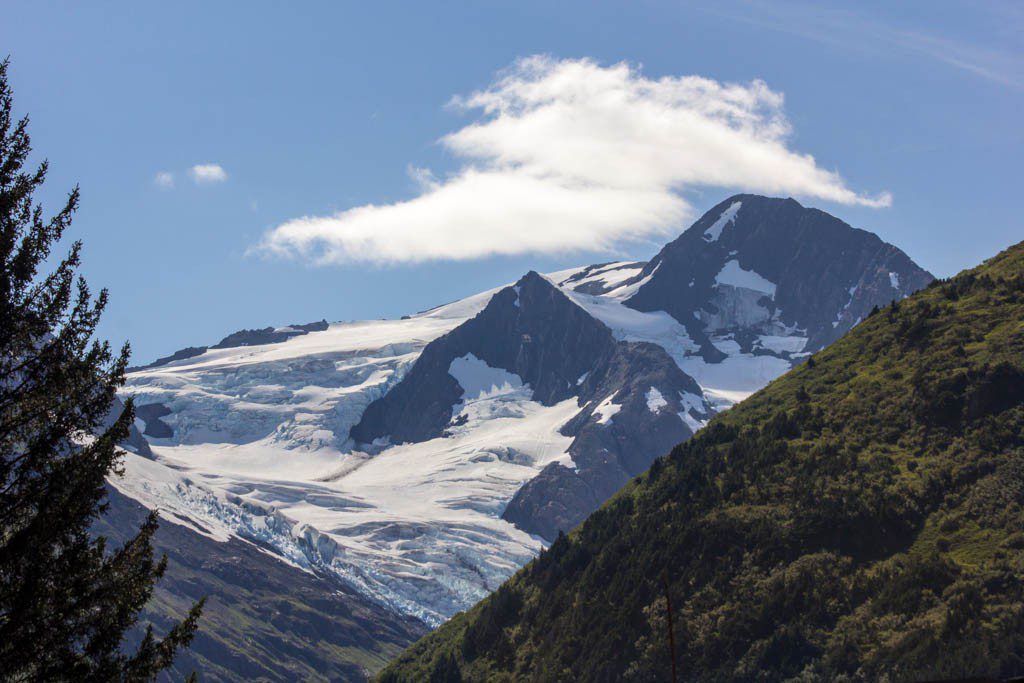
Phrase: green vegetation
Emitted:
{"points": [[861, 518]]}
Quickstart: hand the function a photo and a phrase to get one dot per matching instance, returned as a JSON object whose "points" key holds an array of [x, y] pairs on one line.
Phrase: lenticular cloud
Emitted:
{"points": [[569, 155]]}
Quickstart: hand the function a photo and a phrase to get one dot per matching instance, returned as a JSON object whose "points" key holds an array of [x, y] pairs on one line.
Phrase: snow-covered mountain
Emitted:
{"points": [[423, 460]]}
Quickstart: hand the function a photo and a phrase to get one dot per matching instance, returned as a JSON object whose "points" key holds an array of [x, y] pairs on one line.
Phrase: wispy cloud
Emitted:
{"points": [[164, 180], [571, 155], [204, 174], [852, 29]]}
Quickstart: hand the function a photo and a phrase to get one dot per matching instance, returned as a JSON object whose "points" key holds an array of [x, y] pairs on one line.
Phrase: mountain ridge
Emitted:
{"points": [[535, 332], [499, 442], [859, 517]]}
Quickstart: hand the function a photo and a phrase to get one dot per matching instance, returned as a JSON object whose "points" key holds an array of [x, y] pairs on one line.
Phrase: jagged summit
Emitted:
{"points": [[529, 329], [772, 264]]}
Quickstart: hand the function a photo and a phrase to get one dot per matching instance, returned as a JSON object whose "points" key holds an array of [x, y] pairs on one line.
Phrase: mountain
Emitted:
{"points": [[533, 341], [770, 265], [858, 519], [422, 461], [750, 289]]}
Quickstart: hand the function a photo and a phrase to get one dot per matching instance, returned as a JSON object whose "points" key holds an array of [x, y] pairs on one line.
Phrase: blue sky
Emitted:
{"points": [[344, 106]]}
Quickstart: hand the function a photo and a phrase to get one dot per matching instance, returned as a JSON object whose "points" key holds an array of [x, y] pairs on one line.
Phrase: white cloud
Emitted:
{"points": [[164, 180], [204, 174], [569, 155]]}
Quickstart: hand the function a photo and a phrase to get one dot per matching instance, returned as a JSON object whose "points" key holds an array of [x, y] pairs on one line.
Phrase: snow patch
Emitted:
{"points": [[715, 231], [479, 380], [655, 400], [610, 275], [780, 343], [488, 392], [625, 291], [725, 383], [693, 423], [696, 410], [605, 410], [894, 280], [737, 376], [734, 275], [839, 315], [627, 324]]}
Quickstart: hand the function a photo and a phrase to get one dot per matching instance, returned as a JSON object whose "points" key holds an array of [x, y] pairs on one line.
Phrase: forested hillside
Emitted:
{"points": [[861, 517]]}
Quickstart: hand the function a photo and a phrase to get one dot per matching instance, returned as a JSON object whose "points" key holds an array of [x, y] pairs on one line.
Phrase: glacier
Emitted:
{"points": [[260, 448], [250, 440]]}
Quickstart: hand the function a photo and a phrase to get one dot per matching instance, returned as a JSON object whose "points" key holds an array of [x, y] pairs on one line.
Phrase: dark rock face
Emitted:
{"points": [[827, 274], [608, 452], [181, 354], [264, 619], [150, 414], [268, 335], [551, 502], [534, 331]]}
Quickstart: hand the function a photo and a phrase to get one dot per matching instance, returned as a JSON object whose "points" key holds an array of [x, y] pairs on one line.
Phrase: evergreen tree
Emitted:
{"points": [[66, 600]]}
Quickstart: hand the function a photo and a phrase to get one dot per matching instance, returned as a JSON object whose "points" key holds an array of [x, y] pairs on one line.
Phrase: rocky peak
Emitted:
{"points": [[529, 329], [764, 262]]}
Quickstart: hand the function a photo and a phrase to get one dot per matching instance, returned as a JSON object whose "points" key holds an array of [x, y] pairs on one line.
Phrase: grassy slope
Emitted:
{"points": [[859, 517]]}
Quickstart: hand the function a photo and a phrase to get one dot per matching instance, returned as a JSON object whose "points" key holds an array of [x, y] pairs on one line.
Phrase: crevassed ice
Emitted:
{"points": [[260, 451]]}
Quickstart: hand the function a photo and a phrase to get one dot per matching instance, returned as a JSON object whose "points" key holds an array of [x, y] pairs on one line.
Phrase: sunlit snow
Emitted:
{"points": [[655, 400], [715, 231], [260, 449], [735, 275], [606, 409]]}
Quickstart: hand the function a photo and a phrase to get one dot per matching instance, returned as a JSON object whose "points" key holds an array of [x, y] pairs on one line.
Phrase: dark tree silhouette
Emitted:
{"points": [[66, 600]]}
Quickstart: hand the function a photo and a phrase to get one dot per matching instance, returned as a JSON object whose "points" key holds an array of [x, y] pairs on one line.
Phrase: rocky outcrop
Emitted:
{"points": [[268, 335], [180, 354], [255, 337]]}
